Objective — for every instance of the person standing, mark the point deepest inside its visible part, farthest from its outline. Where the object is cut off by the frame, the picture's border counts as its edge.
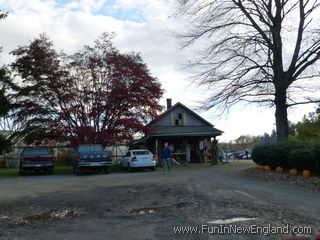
(246, 153)
(166, 158)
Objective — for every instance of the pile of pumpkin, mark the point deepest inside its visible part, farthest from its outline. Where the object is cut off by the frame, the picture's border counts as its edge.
(293, 171)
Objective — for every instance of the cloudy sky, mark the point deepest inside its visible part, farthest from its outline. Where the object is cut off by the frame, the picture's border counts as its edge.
(143, 26)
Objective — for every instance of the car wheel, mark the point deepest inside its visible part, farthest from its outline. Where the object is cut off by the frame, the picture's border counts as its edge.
(153, 169)
(78, 171)
(107, 170)
(50, 171)
(129, 168)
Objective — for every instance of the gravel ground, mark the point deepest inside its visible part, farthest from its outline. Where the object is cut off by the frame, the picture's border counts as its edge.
(148, 205)
(130, 209)
(312, 183)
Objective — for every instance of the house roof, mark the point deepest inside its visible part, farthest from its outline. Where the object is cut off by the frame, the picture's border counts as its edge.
(190, 131)
(178, 104)
(207, 129)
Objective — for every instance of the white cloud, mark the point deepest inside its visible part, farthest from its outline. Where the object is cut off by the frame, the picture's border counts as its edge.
(85, 5)
(80, 22)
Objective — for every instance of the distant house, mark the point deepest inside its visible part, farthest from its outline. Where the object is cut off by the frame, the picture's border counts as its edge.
(187, 133)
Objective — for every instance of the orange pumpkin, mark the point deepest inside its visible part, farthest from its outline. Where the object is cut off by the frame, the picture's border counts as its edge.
(293, 172)
(267, 168)
(279, 169)
(260, 167)
(306, 173)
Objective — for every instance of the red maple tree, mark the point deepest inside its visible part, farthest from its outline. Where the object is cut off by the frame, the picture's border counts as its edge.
(96, 95)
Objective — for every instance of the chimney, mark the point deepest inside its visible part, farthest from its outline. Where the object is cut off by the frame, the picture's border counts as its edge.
(169, 103)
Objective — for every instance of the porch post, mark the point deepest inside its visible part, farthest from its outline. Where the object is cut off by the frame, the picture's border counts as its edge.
(157, 150)
(187, 151)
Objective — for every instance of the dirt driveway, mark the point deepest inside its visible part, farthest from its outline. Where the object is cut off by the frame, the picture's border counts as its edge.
(151, 205)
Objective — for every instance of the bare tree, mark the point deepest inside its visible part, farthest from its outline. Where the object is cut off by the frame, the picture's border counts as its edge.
(3, 15)
(256, 51)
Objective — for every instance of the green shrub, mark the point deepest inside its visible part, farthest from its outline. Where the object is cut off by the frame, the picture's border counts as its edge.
(271, 154)
(316, 156)
(277, 154)
(299, 155)
(258, 154)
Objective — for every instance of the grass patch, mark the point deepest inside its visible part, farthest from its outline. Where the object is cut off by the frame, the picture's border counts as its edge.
(60, 169)
(64, 169)
(14, 172)
(67, 169)
(9, 172)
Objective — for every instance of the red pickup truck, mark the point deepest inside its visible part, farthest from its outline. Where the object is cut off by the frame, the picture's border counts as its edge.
(36, 158)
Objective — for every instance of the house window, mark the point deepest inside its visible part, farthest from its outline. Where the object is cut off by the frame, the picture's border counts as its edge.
(178, 119)
(201, 145)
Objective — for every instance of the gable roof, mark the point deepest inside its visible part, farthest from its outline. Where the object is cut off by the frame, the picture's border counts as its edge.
(178, 104)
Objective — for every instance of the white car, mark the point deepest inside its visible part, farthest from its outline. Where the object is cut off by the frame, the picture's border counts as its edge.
(138, 159)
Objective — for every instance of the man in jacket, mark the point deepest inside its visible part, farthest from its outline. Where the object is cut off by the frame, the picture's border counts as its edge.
(166, 158)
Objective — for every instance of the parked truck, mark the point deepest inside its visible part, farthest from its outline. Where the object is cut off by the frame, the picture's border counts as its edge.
(92, 156)
(36, 158)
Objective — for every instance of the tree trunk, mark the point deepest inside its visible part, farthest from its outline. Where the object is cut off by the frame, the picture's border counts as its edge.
(281, 115)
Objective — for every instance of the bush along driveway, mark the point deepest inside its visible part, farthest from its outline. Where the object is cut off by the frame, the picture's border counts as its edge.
(289, 156)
